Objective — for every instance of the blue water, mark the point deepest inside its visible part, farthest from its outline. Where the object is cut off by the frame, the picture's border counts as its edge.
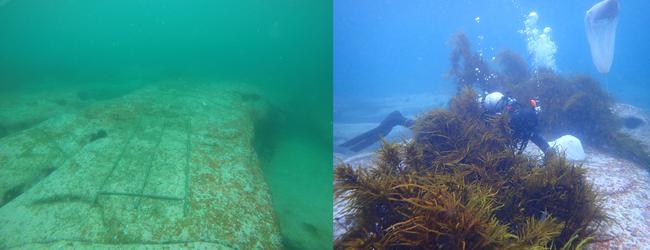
(388, 48)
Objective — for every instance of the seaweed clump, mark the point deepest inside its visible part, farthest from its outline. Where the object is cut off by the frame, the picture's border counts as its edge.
(460, 185)
(575, 105)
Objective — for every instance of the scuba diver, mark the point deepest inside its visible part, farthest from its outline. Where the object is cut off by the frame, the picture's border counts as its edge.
(523, 122)
(523, 119)
(366, 139)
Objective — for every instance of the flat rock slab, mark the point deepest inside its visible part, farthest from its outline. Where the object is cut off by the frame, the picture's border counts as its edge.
(25, 108)
(636, 117)
(158, 168)
(625, 189)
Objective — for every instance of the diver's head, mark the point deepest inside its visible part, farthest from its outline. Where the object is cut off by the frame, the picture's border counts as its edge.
(495, 102)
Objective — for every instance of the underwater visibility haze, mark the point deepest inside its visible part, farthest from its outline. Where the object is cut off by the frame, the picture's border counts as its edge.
(140, 124)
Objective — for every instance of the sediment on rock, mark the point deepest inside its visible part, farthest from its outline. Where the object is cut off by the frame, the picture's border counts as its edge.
(173, 167)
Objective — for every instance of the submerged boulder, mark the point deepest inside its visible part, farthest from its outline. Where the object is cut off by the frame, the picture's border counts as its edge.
(178, 170)
(570, 146)
(636, 122)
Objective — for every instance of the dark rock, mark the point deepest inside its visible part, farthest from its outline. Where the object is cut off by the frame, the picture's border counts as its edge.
(98, 135)
(632, 122)
(11, 194)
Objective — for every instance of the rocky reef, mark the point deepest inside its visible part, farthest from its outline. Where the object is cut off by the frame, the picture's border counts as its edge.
(161, 167)
(574, 104)
(459, 184)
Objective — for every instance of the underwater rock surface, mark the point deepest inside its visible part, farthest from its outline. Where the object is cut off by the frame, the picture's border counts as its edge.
(177, 169)
(636, 122)
(23, 111)
(625, 188)
(570, 146)
(30, 107)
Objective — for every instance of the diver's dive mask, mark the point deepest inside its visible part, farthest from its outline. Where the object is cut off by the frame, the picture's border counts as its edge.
(534, 102)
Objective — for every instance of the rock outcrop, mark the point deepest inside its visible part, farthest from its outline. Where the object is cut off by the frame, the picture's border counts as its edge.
(570, 146)
(159, 167)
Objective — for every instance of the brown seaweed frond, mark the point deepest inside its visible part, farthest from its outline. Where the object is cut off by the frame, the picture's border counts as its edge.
(513, 69)
(367, 195)
(559, 189)
(415, 210)
(414, 157)
(575, 105)
(466, 103)
(538, 233)
(468, 67)
(388, 159)
(458, 185)
(458, 216)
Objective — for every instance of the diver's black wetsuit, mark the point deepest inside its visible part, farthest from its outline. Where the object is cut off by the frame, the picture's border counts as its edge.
(366, 139)
(523, 122)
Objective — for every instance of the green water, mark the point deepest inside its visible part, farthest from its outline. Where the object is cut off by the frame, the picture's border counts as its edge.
(281, 47)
